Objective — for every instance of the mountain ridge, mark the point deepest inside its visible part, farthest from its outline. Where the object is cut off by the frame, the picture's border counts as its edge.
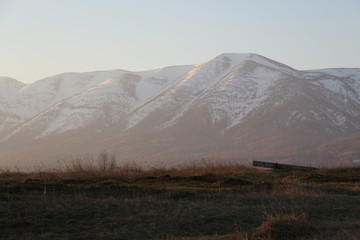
(233, 106)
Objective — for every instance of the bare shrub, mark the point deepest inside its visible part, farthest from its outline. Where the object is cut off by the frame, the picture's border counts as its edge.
(106, 162)
(103, 165)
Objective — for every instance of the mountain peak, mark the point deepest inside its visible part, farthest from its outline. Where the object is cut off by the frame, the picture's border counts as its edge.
(232, 57)
(239, 58)
(8, 84)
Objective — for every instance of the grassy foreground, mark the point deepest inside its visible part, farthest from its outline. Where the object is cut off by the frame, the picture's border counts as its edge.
(192, 203)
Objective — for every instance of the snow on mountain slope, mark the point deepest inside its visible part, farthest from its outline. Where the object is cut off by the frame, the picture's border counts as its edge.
(8, 86)
(342, 81)
(240, 93)
(216, 74)
(183, 93)
(39, 96)
(74, 100)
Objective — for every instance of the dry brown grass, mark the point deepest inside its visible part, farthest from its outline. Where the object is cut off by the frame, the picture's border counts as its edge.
(207, 167)
(98, 198)
(106, 165)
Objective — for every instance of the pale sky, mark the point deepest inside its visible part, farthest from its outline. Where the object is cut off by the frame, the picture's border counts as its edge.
(39, 38)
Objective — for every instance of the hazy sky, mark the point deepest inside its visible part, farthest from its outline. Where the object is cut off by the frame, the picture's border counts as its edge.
(39, 38)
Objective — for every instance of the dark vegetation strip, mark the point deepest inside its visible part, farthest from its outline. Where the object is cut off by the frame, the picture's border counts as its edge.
(194, 202)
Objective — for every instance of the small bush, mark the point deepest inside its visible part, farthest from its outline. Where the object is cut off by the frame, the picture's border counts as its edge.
(285, 227)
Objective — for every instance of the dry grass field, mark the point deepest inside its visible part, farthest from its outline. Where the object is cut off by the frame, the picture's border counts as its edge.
(100, 200)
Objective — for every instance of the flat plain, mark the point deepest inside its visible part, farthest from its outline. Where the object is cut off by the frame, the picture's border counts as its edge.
(209, 201)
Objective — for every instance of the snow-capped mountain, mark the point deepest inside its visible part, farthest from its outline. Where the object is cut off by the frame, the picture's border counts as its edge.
(234, 106)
